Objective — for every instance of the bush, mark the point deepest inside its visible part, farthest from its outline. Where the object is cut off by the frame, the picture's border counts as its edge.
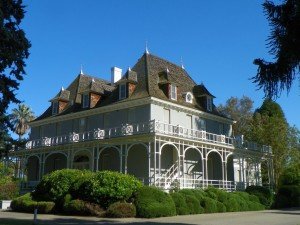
(209, 205)
(9, 188)
(26, 204)
(56, 185)
(82, 208)
(107, 187)
(265, 195)
(152, 202)
(193, 204)
(290, 176)
(121, 210)
(232, 204)
(217, 194)
(221, 207)
(180, 203)
(288, 196)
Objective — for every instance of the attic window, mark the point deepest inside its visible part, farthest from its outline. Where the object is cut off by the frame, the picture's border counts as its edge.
(85, 100)
(189, 97)
(209, 103)
(173, 92)
(54, 108)
(122, 91)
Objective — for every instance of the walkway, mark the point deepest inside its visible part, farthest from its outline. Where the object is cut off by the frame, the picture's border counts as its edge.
(272, 217)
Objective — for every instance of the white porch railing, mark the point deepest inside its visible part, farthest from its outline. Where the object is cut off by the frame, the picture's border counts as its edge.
(152, 126)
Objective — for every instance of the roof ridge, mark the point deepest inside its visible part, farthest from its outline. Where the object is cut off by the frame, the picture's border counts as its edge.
(160, 58)
(147, 72)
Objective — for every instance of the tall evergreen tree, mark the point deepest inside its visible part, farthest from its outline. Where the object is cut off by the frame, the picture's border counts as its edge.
(284, 45)
(269, 127)
(13, 51)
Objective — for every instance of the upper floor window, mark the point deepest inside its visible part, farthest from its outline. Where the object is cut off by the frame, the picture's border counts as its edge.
(209, 103)
(189, 97)
(54, 108)
(85, 101)
(122, 91)
(173, 92)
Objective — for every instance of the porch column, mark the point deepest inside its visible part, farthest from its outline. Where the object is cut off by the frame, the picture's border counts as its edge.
(149, 163)
(121, 158)
(97, 157)
(205, 184)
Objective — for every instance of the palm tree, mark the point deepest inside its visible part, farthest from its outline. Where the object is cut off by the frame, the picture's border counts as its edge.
(20, 117)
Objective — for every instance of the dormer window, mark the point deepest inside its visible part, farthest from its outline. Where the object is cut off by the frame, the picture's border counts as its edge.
(189, 97)
(173, 92)
(209, 103)
(85, 100)
(122, 91)
(54, 108)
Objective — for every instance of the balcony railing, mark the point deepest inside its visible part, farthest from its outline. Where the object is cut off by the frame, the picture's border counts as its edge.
(152, 126)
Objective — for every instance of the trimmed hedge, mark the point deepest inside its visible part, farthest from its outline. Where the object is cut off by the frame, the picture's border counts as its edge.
(265, 195)
(180, 203)
(102, 187)
(121, 210)
(54, 186)
(209, 205)
(26, 204)
(107, 187)
(193, 204)
(80, 207)
(152, 202)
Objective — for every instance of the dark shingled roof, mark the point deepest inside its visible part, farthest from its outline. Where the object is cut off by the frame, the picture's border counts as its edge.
(147, 74)
(62, 95)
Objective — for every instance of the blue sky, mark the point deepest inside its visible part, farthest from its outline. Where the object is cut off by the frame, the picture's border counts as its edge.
(217, 41)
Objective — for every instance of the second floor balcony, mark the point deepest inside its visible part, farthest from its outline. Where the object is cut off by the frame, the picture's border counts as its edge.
(149, 127)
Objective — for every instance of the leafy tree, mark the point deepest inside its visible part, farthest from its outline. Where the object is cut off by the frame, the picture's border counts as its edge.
(284, 45)
(20, 117)
(293, 155)
(269, 127)
(240, 110)
(13, 51)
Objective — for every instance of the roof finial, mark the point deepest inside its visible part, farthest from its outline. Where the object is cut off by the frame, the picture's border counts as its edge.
(129, 69)
(81, 70)
(146, 47)
(168, 71)
(62, 89)
(181, 62)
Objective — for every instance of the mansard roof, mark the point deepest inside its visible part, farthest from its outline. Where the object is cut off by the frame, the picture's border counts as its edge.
(145, 74)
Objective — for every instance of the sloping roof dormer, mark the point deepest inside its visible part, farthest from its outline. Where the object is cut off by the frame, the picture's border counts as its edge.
(60, 101)
(127, 84)
(204, 97)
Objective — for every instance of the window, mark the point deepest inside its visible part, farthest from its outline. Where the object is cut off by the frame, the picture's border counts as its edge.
(189, 97)
(209, 104)
(173, 92)
(122, 91)
(85, 101)
(54, 108)
(167, 118)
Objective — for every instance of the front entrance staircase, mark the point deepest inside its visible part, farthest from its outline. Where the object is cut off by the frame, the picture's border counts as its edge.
(169, 179)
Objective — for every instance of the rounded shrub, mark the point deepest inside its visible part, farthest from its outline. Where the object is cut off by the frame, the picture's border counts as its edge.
(232, 204)
(180, 203)
(193, 204)
(82, 208)
(221, 207)
(26, 204)
(107, 187)
(217, 194)
(121, 210)
(265, 195)
(152, 202)
(56, 185)
(209, 205)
